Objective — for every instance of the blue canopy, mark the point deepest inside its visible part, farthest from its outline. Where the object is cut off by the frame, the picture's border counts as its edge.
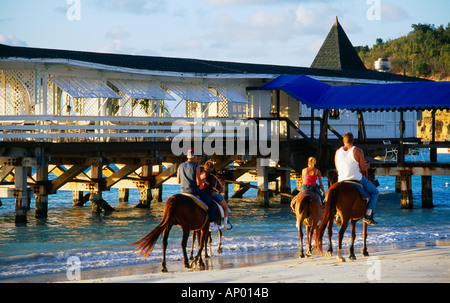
(397, 96)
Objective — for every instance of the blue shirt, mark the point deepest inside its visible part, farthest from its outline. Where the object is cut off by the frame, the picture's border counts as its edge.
(188, 180)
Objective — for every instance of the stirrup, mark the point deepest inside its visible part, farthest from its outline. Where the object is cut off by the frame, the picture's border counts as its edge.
(227, 226)
(369, 220)
(213, 226)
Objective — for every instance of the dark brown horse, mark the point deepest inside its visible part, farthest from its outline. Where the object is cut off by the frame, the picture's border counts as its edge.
(346, 200)
(306, 206)
(182, 211)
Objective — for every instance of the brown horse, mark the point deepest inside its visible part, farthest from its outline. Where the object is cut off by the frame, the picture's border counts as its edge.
(182, 211)
(306, 206)
(346, 200)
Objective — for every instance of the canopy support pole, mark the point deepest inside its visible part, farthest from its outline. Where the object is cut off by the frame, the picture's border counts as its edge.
(433, 151)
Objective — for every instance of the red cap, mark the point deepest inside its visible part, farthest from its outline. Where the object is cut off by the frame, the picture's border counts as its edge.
(190, 153)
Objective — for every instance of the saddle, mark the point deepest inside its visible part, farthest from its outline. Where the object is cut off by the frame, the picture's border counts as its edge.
(202, 204)
(364, 194)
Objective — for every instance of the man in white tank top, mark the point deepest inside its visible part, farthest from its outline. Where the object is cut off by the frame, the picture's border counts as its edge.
(351, 165)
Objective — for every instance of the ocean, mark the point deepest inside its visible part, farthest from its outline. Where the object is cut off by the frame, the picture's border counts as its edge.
(44, 246)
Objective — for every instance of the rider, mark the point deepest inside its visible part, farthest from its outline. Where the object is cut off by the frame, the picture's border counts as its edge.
(351, 165)
(189, 177)
(310, 175)
(209, 169)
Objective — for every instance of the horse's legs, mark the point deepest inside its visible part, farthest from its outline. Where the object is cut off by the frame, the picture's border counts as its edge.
(330, 234)
(365, 252)
(344, 225)
(164, 246)
(352, 251)
(219, 249)
(209, 240)
(184, 240)
(309, 232)
(300, 235)
(191, 257)
(203, 237)
(201, 240)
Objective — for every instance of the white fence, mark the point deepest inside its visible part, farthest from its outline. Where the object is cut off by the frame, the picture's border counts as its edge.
(116, 129)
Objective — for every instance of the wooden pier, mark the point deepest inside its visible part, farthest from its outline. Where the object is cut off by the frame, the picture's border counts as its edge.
(136, 153)
(87, 122)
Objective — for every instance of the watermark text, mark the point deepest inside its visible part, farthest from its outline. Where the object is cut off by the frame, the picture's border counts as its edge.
(73, 13)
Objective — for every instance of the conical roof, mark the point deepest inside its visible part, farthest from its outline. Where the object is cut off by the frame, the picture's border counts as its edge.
(337, 52)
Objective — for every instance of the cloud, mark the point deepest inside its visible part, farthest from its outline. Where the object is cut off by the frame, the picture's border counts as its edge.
(280, 25)
(240, 2)
(117, 33)
(115, 46)
(116, 41)
(393, 12)
(137, 7)
(245, 2)
(11, 40)
(317, 20)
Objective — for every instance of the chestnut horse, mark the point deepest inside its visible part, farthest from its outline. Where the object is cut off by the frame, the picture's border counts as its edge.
(346, 200)
(307, 209)
(182, 211)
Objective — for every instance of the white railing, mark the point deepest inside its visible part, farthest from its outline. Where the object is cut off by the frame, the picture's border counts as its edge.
(107, 128)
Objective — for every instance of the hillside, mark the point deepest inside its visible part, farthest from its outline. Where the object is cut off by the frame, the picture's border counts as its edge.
(424, 52)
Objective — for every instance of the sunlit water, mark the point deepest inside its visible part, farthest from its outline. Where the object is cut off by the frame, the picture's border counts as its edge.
(100, 241)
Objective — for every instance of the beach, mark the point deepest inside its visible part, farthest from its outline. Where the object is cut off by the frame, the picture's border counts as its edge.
(422, 263)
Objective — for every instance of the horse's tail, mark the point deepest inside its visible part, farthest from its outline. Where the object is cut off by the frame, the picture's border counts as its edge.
(305, 205)
(147, 243)
(328, 214)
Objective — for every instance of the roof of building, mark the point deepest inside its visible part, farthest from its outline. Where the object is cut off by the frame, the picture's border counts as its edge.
(393, 96)
(337, 52)
(196, 66)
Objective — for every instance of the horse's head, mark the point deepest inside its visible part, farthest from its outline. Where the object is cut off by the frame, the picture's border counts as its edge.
(209, 184)
(332, 176)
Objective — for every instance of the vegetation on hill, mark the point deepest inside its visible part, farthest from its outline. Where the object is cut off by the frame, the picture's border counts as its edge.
(424, 52)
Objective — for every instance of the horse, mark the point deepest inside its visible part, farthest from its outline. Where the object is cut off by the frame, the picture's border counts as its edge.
(346, 200)
(180, 210)
(307, 208)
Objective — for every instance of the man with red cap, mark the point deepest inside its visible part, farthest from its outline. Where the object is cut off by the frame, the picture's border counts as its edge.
(189, 178)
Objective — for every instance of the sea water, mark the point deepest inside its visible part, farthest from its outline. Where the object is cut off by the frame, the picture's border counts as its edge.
(44, 246)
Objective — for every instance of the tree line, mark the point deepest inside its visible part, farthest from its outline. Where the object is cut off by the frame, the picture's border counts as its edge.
(424, 52)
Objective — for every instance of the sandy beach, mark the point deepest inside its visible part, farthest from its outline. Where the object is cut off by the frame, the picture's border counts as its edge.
(422, 263)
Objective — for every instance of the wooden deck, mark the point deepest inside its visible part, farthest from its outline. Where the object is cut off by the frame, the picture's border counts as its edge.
(95, 154)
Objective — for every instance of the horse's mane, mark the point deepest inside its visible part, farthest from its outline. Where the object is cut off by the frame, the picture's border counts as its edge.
(210, 183)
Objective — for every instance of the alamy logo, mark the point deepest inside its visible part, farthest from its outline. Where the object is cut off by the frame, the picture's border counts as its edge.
(374, 271)
(235, 137)
(73, 272)
(73, 13)
(374, 11)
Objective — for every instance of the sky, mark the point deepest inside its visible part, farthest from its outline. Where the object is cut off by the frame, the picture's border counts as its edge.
(280, 32)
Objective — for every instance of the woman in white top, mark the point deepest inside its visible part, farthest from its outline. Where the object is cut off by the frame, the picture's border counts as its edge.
(351, 165)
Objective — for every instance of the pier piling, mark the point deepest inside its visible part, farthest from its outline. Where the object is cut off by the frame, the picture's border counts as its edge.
(427, 192)
(20, 194)
(262, 182)
(406, 197)
(41, 191)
